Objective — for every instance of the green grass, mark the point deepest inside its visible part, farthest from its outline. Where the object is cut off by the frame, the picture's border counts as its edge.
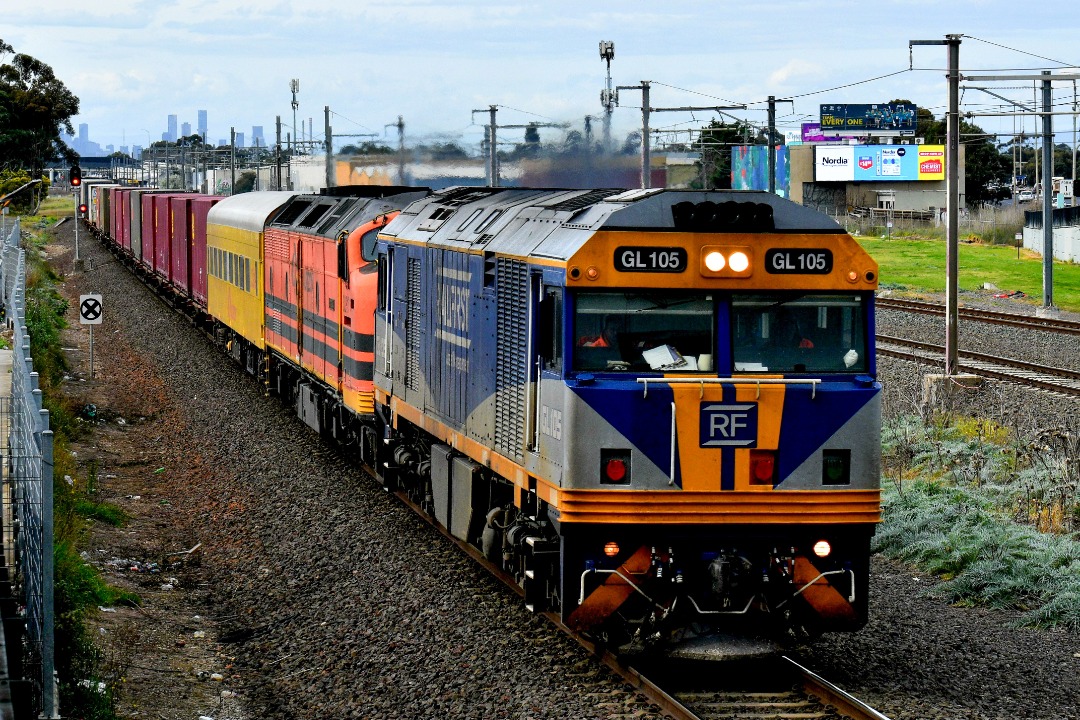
(995, 518)
(55, 206)
(79, 588)
(918, 265)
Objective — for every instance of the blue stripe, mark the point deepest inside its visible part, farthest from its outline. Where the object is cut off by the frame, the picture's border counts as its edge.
(727, 454)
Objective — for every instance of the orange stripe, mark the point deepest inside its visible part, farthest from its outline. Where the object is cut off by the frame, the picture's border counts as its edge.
(664, 507)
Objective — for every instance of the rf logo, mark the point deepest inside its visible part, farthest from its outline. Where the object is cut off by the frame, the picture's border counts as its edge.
(729, 424)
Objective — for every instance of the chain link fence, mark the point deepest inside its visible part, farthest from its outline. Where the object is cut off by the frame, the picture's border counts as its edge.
(28, 495)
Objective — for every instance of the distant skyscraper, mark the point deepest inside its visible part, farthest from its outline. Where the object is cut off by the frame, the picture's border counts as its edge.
(82, 143)
(240, 140)
(171, 135)
(185, 129)
(257, 136)
(202, 124)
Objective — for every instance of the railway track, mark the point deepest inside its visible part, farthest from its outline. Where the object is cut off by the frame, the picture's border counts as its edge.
(1043, 377)
(769, 687)
(1031, 322)
(689, 690)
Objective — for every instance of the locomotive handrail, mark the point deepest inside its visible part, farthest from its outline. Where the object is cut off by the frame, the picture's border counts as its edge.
(813, 382)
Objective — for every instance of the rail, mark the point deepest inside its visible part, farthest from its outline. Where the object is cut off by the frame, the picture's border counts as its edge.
(1052, 379)
(995, 317)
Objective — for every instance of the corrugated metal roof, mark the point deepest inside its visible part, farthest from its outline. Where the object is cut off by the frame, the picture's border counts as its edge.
(248, 211)
(554, 224)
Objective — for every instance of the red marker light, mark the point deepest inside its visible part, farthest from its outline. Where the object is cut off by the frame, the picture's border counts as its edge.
(615, 470)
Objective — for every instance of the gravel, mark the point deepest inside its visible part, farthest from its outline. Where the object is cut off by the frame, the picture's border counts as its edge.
(330, 599)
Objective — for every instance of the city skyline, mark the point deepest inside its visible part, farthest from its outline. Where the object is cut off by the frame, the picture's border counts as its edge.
(133, 62)
(86, 147)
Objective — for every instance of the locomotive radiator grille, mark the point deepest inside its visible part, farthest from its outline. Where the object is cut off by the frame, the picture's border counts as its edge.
(511, 369)
(412, 325)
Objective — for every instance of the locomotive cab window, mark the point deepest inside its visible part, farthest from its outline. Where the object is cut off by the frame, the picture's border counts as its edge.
(663, 331)
(807, 333)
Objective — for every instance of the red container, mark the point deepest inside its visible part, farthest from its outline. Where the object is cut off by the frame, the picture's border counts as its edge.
(200, 208)
(123, 223)
(180, 244)
(146, 256)
(161, 229)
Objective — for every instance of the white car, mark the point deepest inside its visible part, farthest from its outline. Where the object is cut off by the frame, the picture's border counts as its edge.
(1025, 196)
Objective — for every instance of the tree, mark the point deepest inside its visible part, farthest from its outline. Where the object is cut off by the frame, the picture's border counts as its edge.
(34, 106)
(23, 202)
(443, 151)
(367, 148)
(986, 169)
(245, 183)
(715, 142)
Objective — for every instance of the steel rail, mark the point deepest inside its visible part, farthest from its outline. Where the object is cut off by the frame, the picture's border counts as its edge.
(846, 703)
(995, 317)
(1052, 379)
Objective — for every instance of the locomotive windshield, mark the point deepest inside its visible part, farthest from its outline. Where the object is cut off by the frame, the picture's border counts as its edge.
(645, 331)
(801, 333)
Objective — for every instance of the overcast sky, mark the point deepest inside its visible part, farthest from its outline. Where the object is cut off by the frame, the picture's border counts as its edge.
(134, 62)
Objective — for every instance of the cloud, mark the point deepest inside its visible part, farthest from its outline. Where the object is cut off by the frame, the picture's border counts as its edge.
(796, 69)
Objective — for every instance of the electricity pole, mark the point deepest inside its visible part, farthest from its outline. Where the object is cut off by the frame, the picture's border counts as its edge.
(400, 125)
(952, 195)
(646, 159)
(1047, 113)
(772, 142)
(329, 148)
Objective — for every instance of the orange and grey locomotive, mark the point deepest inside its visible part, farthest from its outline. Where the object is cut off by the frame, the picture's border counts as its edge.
(657, 409)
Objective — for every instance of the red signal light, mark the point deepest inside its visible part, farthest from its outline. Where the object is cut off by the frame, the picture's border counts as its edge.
(75, 176)
(82, 209)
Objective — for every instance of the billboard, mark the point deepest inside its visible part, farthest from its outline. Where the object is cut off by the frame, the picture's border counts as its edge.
(878, 163)
(881, 119)
(811, 132)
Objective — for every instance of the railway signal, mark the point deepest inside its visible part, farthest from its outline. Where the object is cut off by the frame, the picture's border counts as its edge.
(75, 176)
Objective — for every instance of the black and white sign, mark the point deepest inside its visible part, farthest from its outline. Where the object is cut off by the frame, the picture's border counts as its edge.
(90, 309)
(650, 259)
(798, 261)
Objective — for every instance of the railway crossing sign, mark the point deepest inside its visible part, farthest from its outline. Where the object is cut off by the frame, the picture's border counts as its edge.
(90, 309)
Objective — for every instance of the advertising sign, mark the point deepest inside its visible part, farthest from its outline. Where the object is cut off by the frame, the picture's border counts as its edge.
(878, 163)
(811, 132)
(880, 119)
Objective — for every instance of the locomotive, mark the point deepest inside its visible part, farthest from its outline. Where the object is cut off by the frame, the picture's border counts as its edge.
(655, 409)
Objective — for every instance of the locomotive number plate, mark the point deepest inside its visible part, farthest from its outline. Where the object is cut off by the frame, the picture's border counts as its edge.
(798, 261)
(651, 259)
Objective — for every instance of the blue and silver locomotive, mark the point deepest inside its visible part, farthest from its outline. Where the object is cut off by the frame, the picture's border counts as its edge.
(657, 409)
